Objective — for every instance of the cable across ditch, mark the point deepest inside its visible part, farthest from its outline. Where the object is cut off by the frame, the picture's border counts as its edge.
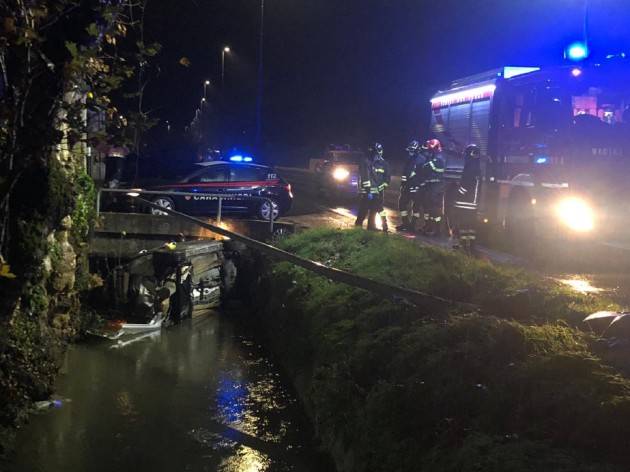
(423, 301)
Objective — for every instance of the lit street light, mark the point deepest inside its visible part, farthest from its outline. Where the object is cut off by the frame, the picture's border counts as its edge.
(224, 51)
(205, 88)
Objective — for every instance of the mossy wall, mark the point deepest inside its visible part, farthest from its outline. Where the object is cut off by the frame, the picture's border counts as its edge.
(40, 308)
(514, 386)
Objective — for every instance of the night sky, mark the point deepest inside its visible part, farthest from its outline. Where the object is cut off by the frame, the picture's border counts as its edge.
(353, 71)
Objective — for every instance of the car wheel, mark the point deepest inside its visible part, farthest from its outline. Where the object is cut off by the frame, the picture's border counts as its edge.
(164, 202)
(268, 208)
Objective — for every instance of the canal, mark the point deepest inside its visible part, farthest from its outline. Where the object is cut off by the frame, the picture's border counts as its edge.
(202, 396)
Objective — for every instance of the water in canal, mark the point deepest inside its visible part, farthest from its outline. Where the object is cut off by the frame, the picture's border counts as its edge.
(201, 396)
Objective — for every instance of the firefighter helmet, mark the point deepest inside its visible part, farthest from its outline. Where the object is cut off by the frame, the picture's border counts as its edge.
(433, 145)
(376, 148)
(472, 151)
(414, 147)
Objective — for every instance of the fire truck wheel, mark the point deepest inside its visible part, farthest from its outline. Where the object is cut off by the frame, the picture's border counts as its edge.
(520, 224)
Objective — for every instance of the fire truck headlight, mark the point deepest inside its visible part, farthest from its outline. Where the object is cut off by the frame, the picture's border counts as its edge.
(576, 214)
(341, 173)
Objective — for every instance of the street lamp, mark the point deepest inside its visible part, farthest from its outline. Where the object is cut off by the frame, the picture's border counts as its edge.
(205, 88)
(224, 51)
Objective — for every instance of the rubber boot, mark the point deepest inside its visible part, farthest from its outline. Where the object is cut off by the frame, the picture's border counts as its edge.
(384, 225)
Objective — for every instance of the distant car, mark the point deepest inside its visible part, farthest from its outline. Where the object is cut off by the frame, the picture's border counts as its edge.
(339, 173)
(238, 182)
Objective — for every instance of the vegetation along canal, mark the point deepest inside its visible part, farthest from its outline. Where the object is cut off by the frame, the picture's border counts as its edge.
(201, 396)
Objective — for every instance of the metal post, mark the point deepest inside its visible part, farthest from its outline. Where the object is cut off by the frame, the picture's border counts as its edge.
(261, 77)
(271, 216)
(98, 202)
(586, 18)
(220, 209)
(223, 68)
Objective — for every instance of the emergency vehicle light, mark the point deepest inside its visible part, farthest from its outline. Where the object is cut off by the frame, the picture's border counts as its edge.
(577, 52)
(239, 158)
(477, 93)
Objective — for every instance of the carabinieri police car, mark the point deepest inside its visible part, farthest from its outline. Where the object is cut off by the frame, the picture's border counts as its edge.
(239, 182)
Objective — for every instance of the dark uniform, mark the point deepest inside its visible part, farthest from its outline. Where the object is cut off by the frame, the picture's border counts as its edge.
(410, 194)
(365, 184)
(374, 179)
(433, 186)
(464, 214)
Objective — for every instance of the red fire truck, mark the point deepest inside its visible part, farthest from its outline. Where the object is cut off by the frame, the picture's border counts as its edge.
(555, 146)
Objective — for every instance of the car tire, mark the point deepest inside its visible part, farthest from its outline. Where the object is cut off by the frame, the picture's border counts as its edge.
(264, 210)
(164, 202)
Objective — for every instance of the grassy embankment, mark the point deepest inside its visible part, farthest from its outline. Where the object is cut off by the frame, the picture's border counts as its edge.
(515, 386)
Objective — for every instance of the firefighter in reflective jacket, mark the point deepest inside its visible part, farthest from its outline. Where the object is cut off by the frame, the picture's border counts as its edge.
(374, 179)
(410, 196)
(466, 202)
(432, 186)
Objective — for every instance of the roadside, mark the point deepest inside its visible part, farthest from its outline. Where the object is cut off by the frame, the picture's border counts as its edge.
(310, 212)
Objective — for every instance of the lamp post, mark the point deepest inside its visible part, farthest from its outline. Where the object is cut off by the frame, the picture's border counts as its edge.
(261, 76)
(205, 88)
(224, 51)
(586, 15)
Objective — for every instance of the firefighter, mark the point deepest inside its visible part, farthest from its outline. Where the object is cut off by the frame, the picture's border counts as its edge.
(374, 179)
(365, 184)
(432, 184)
(410, 188)
(467, 199)
(380, 181)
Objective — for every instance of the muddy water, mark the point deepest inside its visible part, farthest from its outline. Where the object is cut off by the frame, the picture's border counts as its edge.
(197, 397)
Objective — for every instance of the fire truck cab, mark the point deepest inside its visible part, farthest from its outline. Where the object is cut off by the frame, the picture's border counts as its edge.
(555, 146)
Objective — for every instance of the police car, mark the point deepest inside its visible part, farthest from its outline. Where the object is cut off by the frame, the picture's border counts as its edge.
(237, 181)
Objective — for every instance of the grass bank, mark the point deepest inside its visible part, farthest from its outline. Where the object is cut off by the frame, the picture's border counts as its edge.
(515, 386)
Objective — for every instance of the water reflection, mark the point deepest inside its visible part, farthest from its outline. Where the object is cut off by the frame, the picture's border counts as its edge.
(197, 397)
(581, 285)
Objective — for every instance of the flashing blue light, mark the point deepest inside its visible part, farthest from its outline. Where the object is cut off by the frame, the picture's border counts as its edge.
(577, 52)
(247, 159)
(236, 158)
(541, 160)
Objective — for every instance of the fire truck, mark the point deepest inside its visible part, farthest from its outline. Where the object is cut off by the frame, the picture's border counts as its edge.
(555, 146)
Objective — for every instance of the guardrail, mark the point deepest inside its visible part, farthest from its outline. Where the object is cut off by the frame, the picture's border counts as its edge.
(135, 193)
(424, 301)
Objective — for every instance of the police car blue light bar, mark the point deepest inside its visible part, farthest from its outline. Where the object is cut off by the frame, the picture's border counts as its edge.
(239, 158)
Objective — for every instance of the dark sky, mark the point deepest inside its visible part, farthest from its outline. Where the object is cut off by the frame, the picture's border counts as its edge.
(355, 70)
